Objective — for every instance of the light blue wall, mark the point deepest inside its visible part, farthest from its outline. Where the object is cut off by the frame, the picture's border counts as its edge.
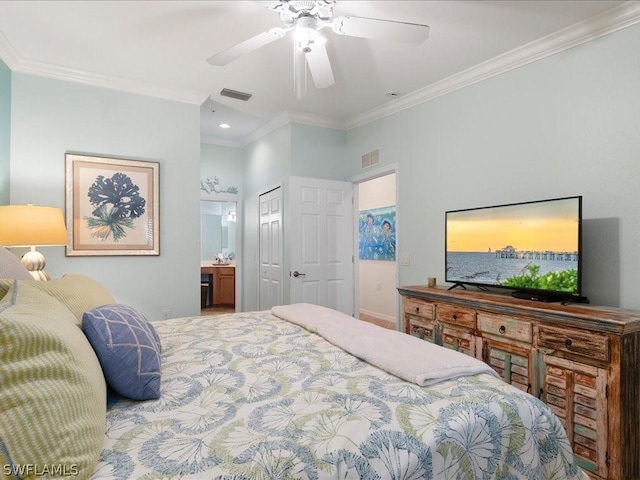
(51, 117)
(318, 152)
(5, 131)
(267, 163)
(291, 150)
(561, 126)
(222, 162)
(565, 125)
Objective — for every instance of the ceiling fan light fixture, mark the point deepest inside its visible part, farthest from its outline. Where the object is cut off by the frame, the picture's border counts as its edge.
(306, 34)
(306, 18)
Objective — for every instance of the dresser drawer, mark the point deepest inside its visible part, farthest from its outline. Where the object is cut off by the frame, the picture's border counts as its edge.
(419, 308)
(422, 330)
(505, 327)
(462, 317)
(459, 339)
(578, 342)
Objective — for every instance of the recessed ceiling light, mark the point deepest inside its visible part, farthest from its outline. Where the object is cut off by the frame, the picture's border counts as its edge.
(224, 125)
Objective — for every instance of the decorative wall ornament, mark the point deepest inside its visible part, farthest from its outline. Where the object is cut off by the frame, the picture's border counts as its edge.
(212, 185)
(112, 206)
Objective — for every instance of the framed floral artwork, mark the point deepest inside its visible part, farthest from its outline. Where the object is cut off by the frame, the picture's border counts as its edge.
(112, 206)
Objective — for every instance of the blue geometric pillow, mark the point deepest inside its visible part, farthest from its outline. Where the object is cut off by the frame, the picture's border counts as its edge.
(128, 349)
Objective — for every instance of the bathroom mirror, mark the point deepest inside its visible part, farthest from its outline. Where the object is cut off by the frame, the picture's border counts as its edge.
(217, 231)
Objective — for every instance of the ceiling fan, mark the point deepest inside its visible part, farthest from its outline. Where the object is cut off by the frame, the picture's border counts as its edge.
(306, 19)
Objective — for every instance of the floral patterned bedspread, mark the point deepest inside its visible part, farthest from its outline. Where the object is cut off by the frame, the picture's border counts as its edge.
(251, 396)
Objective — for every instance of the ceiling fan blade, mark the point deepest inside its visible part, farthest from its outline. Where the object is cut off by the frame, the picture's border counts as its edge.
(248, 46)
(320, 67)
(381, 29)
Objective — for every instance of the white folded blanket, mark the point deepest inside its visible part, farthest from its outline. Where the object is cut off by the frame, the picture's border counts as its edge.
(397, 353)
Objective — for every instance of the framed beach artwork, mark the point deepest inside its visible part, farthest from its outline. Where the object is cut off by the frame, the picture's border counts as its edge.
(377, 234)
(112, 206)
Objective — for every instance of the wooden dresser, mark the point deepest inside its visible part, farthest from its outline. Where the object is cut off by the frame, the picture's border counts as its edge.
(582, 360)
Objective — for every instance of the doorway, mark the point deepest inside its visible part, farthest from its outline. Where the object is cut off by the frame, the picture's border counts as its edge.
(219, 256)
(377, 264)
(310, 259)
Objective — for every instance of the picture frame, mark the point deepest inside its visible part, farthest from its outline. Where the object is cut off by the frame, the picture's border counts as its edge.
(112, 206)
(377, 234)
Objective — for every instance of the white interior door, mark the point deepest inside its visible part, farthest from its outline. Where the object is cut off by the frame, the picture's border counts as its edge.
(321, 243)
(271, 272)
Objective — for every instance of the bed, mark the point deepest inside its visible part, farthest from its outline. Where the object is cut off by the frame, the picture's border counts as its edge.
(263, 395)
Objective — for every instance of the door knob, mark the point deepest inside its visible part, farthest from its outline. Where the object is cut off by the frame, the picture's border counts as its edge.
(298, 274)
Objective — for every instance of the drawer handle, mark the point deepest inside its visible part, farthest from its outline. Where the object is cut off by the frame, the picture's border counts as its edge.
(454, 317)
(502, 329)
(417, 309)
(567, 343)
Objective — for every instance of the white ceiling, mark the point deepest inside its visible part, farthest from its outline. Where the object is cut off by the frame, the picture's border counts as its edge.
(160, 48)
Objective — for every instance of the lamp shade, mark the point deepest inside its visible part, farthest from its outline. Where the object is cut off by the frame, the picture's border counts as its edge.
(30, 225)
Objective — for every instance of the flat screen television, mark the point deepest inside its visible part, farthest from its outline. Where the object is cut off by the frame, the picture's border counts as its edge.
(533, 248)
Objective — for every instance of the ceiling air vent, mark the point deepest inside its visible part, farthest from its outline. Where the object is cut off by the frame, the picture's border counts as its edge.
(226, 92)
(371, 158)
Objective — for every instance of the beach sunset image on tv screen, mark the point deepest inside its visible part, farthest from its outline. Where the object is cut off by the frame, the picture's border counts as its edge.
(529, 245)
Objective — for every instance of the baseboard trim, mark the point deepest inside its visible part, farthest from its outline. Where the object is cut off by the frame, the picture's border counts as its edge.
(378, 316)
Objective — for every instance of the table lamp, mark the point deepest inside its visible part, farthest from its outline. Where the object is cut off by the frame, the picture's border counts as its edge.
(31, 226)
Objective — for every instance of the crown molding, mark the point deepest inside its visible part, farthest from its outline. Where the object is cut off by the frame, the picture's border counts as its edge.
(114, 83)
(8, 54)
(287, 117)
(315, 120)
(15, 63)
(610, 21)
(209, 140)
(273, 124)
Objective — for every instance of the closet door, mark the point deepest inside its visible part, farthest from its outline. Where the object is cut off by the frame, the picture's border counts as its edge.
(270, 282)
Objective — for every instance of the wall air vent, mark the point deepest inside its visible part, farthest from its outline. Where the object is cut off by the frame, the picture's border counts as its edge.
(227, 92)
(371, 158)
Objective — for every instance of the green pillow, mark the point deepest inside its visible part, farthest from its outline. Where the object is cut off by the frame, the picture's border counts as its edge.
(12, 267)
(53, 394)
(5, 285)
(77, 292)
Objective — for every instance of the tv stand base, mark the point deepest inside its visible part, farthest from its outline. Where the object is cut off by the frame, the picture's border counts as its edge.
(549, 297)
